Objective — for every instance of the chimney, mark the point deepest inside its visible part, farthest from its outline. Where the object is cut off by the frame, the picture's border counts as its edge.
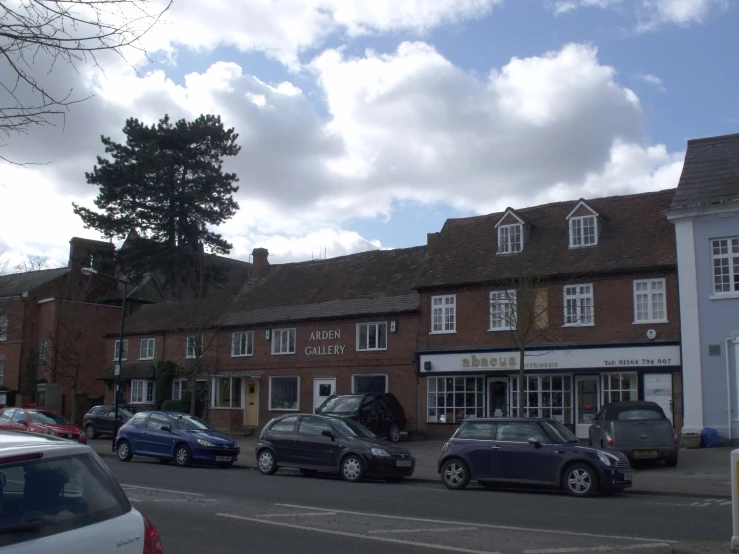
(261, 263)
(432, 241)
(90, 253)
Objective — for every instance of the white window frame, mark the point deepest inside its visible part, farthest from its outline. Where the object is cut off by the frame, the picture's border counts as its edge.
(730, 258)
(277, 338)
(237, 343)
(563, 402)
(43, 350)
(579, 297)
(650, 294)
(445, 308)
(505, 242)
(366, 326)
(434, 396)
(177, 388)
(146, 391)
(124, 355)
(144, 351)
(190, 347)
(578, 223)
(632, 393)
(269, 398)
(499, 299)
(4, 319)
(215, 391)
(354, 384)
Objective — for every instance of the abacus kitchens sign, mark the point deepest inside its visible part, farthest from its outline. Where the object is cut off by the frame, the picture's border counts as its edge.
(325, 349)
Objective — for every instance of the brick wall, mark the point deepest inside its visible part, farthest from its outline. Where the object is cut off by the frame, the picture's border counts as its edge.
(11, 349)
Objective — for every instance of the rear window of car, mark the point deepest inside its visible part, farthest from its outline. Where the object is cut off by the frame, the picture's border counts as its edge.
(641, 414)
(47, 496)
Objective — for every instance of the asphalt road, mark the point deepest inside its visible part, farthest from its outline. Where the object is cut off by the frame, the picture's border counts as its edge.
(238, 510)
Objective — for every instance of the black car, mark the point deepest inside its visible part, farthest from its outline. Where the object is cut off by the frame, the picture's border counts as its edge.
(529, 451)
(99, 420)
(315, 443)
(380, 412)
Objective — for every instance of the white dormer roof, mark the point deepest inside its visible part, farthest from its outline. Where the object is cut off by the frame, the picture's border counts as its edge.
(511, 212)
(580, 204)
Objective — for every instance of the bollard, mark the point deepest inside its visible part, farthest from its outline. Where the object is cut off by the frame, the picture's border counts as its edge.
(735, 499)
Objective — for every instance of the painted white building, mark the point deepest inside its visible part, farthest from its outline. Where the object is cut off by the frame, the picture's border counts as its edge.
(705, 212)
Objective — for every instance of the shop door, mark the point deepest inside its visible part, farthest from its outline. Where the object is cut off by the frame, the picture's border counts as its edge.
(322, 389)
(497, 399)
(251, 410)
(587, 400)
(658, 388)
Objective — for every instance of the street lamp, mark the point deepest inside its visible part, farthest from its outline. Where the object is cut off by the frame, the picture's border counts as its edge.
(119, 367)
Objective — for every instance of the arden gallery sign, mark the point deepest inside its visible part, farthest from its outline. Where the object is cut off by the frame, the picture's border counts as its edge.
(325, 349)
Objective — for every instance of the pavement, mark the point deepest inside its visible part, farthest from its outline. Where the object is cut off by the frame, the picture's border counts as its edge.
(701, 472)
(223, 511)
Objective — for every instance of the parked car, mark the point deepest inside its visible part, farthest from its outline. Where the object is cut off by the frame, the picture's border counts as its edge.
(315, 443)
(638, 429)
(380, 412)
(174, 436)
(529, 451)
(58, 496)
(45, 422)
(99, 420)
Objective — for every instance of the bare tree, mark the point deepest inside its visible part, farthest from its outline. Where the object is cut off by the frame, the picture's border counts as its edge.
(33, 262)
(62, 31)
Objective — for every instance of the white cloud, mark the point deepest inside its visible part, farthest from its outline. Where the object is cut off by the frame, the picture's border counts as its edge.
(652, 80)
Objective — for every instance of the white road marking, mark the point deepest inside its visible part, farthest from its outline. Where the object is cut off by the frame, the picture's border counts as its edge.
(357, 535)
(436, 529)
(160, 490)
(594, 548)
(294, 514)
(476, 524)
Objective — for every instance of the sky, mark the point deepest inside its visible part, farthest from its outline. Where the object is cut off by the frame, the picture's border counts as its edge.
(366, 125)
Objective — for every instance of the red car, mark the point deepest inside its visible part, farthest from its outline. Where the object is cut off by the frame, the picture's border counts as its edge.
(44, 422)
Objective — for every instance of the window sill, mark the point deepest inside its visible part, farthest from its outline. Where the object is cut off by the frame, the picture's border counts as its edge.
(284, 409)
(282, 353)
(371, 349)
(225, 408)
(501, 329)
(651, 322)
(724, 295)
(442, 332)
(508, 253)
(583, 245)
(579, 325)
(146, 359)
(242, 355)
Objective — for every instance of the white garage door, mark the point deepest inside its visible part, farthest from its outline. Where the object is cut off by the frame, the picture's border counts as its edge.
(658, 388)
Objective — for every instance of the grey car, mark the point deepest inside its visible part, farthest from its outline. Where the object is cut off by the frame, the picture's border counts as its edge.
(638, 429)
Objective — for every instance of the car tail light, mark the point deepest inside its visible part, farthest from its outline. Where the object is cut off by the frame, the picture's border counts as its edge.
(675, 438)
(152, 542)
(609, 440)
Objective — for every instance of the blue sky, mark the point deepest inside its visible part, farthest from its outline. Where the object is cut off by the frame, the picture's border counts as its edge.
(362, 131)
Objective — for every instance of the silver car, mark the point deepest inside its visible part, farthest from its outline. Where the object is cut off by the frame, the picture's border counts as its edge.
(638, 429)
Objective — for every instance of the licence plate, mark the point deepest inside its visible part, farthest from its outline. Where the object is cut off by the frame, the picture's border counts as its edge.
(223, 458)
(403, 463)
(645, 453)
(628, 476)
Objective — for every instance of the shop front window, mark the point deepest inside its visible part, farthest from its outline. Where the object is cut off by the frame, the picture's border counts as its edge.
(619, 386)
(547, 396)
(454, 399)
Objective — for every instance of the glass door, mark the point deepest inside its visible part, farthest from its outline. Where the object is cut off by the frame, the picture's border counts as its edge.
(588, 403)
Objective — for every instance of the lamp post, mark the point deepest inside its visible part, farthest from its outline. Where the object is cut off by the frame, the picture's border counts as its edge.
(119, 367)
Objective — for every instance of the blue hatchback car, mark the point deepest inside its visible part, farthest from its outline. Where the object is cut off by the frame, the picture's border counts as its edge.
(175, 436)
(529, 451)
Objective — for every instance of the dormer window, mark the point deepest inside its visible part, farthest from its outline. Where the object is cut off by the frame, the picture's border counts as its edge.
(583, 223)
(510, 238)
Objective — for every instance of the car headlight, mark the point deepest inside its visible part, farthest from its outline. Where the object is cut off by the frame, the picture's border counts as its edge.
(205, 442)
(380, 453)
(607, 459)
(50, 433)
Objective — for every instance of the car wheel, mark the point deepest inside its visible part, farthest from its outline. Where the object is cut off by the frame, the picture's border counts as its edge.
(164, 460)
(352, 468)
(454, 474)
(90, 432)
(182, 456)
(266, 462)
(308, 472)
(124, 451)
(393, 434)
(671, 461)
(580, 480)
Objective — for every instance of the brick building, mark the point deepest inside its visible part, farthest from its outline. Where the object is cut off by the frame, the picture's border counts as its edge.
(588, 287)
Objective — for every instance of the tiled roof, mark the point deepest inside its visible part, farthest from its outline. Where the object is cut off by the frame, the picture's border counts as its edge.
(710, 172)
(142, 370)
(16, 284)
(374, 282)
(635, 235)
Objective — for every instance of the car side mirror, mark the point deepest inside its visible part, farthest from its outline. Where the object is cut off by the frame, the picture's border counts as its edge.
(166, 428)
(327, 433)
(533, 441)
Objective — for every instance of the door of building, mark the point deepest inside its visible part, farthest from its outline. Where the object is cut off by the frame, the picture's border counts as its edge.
(498, 398)
(658, 388)
(587, 403)
(322, 389)
(251, 398)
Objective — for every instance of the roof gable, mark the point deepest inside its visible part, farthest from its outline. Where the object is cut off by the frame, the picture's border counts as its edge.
(581, 209)
(510, 217)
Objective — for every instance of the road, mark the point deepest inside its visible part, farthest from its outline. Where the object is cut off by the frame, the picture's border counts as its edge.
(238, 510)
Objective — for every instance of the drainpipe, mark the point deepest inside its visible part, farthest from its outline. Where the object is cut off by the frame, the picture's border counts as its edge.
(727, 343)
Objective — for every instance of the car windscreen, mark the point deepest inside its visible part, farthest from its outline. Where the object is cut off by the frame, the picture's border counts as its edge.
(341, 404)
(47, 418)
(559, 433)
(352, 428)
(44, 496)
(640, 414)
(125, 412)
(190, 423)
